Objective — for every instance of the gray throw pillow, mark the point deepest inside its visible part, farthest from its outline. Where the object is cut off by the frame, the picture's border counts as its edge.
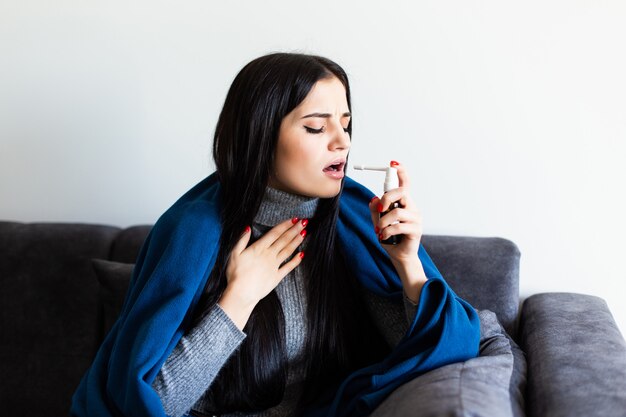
(113, 279)
(490, 385)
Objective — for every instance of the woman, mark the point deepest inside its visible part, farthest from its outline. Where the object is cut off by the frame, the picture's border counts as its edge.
(225, 314)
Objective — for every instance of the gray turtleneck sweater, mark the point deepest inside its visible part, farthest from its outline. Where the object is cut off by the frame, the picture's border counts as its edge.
(194, 363)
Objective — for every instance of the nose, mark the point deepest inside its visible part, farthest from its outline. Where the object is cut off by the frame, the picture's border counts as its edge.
(340, 138)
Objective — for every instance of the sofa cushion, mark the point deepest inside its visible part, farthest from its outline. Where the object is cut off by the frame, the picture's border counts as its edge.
(491, 384)
(128, 242)
(113, 280)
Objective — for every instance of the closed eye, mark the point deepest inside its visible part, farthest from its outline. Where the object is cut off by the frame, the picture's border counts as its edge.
(311, 130)
(320, 130)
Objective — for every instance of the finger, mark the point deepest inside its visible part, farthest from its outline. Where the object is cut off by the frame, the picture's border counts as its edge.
(399, 195)
(291, 265)
(288, 249)
(409, 230)
(285, 239)
(276, 232)
(242, 243)
(399, 215)
(403, 177)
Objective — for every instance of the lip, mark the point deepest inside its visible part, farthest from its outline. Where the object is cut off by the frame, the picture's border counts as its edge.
(339, 174)
(341, 161)
(335, 174)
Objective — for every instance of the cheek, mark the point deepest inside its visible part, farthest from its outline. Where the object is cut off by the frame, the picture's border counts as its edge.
(297, 156)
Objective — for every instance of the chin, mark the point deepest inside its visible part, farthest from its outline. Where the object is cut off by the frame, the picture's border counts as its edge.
(319, 189)
(331, 192)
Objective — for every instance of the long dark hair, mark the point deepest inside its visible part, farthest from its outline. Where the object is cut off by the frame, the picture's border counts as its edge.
(254, 378)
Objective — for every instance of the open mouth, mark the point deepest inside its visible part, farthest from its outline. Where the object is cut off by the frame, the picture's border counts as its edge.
(335, 167)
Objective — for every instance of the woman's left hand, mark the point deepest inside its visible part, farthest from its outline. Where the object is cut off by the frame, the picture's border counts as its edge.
(408, 217)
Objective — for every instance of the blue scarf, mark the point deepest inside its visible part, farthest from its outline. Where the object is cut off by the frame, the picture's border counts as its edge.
(170, 274)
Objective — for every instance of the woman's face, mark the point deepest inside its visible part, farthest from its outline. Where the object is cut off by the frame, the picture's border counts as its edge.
(311, 139)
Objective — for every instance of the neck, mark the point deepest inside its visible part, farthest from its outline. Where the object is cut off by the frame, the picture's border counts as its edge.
(278, 206)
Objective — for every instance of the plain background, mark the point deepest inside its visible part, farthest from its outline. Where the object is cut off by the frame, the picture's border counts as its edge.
(510, 116)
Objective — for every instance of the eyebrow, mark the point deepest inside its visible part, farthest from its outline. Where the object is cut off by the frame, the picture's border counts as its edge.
(326, 115)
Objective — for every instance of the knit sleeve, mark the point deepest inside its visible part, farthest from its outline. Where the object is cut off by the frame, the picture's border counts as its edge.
(196, 360)
(392, 318)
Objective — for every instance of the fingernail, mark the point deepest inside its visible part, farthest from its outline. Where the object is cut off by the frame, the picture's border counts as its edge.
(303, 233)
(373, 198)
(394, 163)
(305, 222)
(247, 229)
(294, 220)
(380, 208)
(301, 255)
(380, 236)
(376, 229)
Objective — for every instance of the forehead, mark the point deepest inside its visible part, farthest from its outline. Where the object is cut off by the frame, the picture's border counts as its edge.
(327, 95)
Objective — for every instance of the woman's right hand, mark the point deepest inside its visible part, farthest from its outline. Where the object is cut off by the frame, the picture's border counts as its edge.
(254, 271)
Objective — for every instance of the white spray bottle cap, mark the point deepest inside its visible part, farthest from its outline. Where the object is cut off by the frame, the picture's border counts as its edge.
(391, 177)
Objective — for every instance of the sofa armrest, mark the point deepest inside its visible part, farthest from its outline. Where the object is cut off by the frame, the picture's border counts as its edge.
(576, 356)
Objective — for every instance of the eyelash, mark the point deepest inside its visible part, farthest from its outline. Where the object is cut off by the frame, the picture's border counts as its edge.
(320, 130)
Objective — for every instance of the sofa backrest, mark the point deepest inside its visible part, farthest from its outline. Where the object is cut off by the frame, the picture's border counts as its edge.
(49, 313)
(482, 270)
(48, 295)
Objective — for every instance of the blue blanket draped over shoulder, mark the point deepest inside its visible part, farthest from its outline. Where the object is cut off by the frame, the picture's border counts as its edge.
(169, 276)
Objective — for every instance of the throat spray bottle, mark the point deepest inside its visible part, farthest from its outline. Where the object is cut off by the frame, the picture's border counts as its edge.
(391, 182)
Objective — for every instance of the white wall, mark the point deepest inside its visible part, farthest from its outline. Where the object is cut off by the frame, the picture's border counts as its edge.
(511, 116)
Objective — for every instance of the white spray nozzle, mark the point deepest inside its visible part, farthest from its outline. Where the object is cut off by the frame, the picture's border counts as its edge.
(369, 168)
(391, 177)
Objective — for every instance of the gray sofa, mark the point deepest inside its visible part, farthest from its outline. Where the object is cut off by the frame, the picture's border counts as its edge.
(55, 313)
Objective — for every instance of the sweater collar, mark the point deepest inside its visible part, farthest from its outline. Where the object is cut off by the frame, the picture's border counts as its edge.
(278, 206)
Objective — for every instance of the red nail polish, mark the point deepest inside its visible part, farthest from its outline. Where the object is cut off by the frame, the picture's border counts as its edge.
(373, 198)
(303, 233)
(301, 255)
(380, 208)
(380, 236)
(247, 229)
(294, 220)
(376, 229)
(394, 163)
(305, 222)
